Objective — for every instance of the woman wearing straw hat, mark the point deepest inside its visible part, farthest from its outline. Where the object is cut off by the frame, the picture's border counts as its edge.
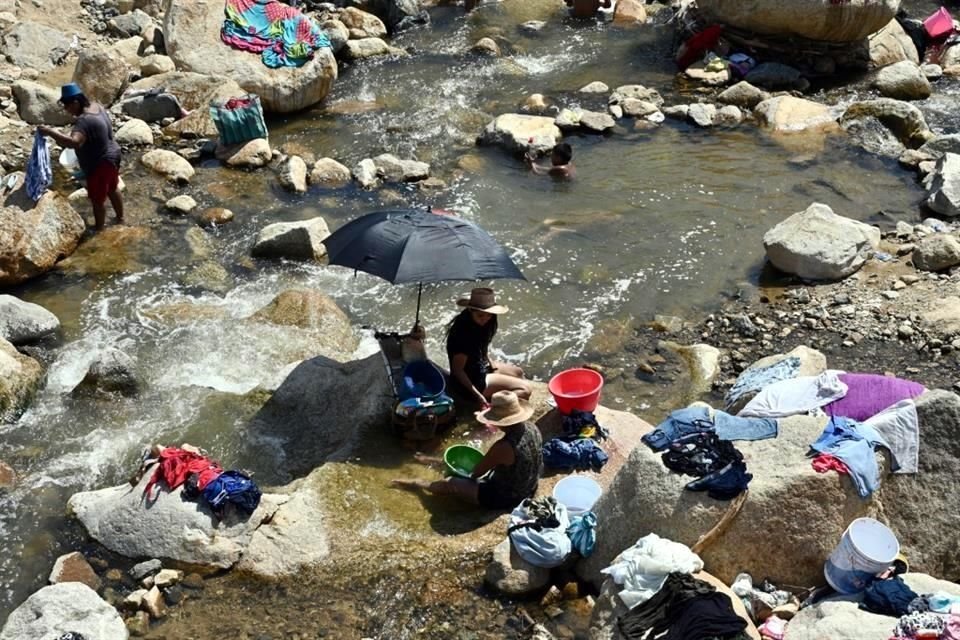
(515, 461)
(468, 343)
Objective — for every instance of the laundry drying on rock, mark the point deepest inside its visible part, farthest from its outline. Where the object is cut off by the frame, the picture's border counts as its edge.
(281, 34)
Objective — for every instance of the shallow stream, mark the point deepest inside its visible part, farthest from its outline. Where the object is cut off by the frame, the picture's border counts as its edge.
(658, 221)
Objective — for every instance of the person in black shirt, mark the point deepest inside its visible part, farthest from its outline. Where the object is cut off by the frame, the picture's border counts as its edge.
(468, 343)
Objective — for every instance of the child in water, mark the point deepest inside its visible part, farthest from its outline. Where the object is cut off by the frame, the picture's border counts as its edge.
(561, 162)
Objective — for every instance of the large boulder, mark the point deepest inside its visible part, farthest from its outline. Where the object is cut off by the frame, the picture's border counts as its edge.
(37, 104)
(891, 45)
(20, 377)
(902, 118)
(936, 252)
(23, 322)
(903, 81)
(325, 409)
(808, 511)
(194, 91)
(167, 525)
(847, 21)
(34, 236)
(841, 618)
(192, 35)
(313, 310)
(35, 46)
(817, 244)
(944, 192)
(301, 240)
(521, 133)
(63, 608)
(102, 74)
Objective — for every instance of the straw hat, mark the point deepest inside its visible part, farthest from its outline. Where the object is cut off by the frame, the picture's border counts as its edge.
(506, 409)
(482, 299)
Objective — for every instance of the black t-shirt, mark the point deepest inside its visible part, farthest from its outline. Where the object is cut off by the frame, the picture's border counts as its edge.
(99, 145)
(468, 338)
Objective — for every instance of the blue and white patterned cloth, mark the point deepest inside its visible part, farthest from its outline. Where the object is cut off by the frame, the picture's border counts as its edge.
(755, 379)
(39, 173)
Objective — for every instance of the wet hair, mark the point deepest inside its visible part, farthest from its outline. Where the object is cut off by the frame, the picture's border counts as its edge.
(490, 329)
(564, 152)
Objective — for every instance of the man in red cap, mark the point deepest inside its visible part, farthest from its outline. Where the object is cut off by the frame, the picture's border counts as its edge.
(97, 151)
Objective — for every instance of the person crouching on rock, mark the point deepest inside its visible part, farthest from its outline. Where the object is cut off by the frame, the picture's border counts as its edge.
(514, 462)
(97, 151)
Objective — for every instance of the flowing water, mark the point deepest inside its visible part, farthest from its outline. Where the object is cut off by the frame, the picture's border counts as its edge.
(658, 220)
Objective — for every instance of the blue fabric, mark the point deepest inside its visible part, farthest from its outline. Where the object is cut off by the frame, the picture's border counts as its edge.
(232, 487)
(853, 443)
(580, 455)
(39, 173)
(582, 533)
(753, 380)
(697, 419)
(724, 484)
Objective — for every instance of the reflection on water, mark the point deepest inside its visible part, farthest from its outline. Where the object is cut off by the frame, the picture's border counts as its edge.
(657, 221)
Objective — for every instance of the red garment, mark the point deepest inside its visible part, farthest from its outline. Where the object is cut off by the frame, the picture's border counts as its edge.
(698, 44)
(102, 182)
(176, 465)
(238, 103)
(826, 462)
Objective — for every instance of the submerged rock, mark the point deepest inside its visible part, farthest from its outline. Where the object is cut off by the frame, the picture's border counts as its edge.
(817, 244)
(369, 48)
(180, 204)
(309, 309)
(301, 240)
(60, 608)
(903, 119)
(23, 322)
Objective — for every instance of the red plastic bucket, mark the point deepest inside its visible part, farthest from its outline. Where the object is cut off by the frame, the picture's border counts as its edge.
(576, 389)
(939, 24)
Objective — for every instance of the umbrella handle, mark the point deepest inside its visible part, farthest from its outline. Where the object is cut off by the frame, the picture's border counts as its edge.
(419, 294)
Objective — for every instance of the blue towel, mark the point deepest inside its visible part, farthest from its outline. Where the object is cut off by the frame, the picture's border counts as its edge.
(583, 454)
(582, 533)
(39, 174)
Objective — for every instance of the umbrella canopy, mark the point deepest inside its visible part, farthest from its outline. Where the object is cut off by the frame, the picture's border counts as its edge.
(418, 245)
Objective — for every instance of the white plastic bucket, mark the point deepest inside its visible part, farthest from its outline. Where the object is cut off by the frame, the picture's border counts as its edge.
(866, 549)
(577, 493)
(68, 159)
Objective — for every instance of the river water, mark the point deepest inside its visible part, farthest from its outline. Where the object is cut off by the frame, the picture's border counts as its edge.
(658, 220)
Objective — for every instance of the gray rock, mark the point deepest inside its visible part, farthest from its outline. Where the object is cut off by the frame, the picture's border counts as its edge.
(568, 119)
(37, 104)
(932, 71)
(134, 132)
(192, 37)
(24, 322)
(393, 169)
(776, 77)
(701, 114)
(936, 252)
(944, 191)
(903, 119)
(251, 154)
(635, 92)
(533, 26)
(903, 81)
(156, 64)
(146, 568)
(511, 575)
(293, 174)
(35, 46)
(362, 24)
(130, 24)
(338, 34)
(394, 12)
(181, 204)
(369, 48)
(636, 108)
(328, 172)
(598, 122)
(840, 617)
(817, 244)
(942, 319)
(486, 47)
(677, 112)
(168, 164)
(112, 372)
(57, 609)
(522, 133)
(947, 143)
(729, 115)
(595, 87)
(152, 108)
(22, 376)
(102, 74)
(301, 240)
(743, 94)
(365, 173)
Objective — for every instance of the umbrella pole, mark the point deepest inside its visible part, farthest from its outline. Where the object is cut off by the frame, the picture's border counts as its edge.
(419, 293)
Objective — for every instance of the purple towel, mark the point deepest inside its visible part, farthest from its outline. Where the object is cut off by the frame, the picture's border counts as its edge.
(868, 394)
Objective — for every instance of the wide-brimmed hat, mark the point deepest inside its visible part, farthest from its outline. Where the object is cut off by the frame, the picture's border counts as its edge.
(505, 409)
(482, 299)
(70, 91)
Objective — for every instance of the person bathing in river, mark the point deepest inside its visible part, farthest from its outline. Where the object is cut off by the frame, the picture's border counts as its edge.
(514, 461)
(561, 162)
(472, 373)
(586, 8)
(97, 151)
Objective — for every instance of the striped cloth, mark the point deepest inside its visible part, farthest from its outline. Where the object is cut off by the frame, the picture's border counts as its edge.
(39, 173)
(282, 35)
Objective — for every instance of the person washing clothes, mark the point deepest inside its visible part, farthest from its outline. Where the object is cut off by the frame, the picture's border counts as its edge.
(561, 162)
(586, 8)
(514, 461)
(97, 151)
(472, 372)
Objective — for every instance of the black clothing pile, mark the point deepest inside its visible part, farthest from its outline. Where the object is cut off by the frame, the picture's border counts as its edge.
(717, 463)
(686, 609)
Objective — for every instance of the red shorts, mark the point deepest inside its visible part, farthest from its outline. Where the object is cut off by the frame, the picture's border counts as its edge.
(102, 182)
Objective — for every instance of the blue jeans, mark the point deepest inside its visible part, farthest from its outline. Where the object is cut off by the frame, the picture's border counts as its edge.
(695, 419)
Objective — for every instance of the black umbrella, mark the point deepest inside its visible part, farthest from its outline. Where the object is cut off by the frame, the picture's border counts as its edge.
(418, 245)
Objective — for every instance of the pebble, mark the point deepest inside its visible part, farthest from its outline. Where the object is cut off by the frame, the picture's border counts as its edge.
(905, 331)
(890, 295)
